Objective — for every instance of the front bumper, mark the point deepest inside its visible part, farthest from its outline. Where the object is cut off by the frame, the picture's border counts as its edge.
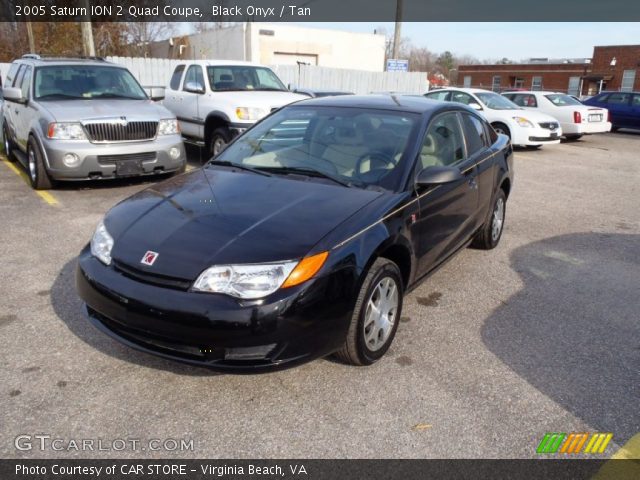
(97, 160)
(289, 327)
(534, 136)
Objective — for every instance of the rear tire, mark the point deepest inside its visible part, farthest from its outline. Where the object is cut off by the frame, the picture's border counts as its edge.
(8, 144)
(501, 128)
(38, 175)
(491, 231)
(219, 139)
(573, 137)
(376, 315)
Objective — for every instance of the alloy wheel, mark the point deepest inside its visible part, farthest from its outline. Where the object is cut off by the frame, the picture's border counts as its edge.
(380, 315)
(32, 164)
(218, 145)
(498, 219)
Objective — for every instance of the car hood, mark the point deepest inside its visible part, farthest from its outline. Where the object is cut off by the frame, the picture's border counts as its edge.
(530, 115)
(81, 110)
(266, 100)
(218, 216)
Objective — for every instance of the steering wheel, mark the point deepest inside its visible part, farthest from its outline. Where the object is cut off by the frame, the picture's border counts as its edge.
(379, 161)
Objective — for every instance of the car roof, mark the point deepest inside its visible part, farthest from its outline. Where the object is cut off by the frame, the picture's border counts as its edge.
(52, 61)
(462, 89)
(400, 103)
(225, 63)
(615, 91)
(536, 92)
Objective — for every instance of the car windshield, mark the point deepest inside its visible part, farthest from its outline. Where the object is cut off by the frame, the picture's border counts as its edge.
(496, 102)
(86, 82)
(243, 77)
(350, 146)
(562, 100)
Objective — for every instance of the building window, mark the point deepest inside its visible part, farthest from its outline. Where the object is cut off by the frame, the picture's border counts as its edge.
(467, 81)
(496, 83)
(628, 79)
(536, 83)
(574, 86)
(518, 82)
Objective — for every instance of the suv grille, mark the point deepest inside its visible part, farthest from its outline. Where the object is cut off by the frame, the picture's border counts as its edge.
(549, 125)
(138, 157)
(117, 132)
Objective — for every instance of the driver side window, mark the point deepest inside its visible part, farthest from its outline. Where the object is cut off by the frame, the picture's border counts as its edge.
(194, 75)
(443, 143)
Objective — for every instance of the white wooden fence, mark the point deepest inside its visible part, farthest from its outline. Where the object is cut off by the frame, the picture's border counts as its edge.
(157, 72)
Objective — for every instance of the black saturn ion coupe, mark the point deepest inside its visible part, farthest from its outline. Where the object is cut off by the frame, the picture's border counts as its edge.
(301, 237)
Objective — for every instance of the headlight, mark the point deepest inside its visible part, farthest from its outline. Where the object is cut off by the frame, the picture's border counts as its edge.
(258, 280)
(101, 244)
(523, 122)
(168, 126)
(250, 113)
(66, 131)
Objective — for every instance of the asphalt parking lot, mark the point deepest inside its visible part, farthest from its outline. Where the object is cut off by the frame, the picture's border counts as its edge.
(494, 350)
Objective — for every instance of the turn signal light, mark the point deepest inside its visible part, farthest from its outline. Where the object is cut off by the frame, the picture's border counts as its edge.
(306, 269)
(577, 118)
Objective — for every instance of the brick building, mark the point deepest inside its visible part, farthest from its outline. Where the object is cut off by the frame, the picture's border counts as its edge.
(614, 67)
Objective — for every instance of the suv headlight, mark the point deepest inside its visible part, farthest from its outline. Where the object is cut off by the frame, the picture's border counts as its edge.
(101, 244)
(250, 113)
(168, 126)
(523, 122)
(254, 281)
(66, 131)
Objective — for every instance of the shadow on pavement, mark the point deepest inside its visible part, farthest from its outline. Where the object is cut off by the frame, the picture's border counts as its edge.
(68, 307)
(573, 331)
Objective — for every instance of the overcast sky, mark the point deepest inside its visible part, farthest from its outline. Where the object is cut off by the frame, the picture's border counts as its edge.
(516, 41)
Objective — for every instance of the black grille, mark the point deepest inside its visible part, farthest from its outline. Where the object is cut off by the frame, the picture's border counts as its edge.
(117, 132)
(138, 157)
(549, 125)
(152, 278)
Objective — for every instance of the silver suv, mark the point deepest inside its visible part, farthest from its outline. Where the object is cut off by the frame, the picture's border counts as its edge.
(85, 119)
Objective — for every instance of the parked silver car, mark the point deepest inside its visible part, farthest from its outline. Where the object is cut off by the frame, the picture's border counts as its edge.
(84, 119)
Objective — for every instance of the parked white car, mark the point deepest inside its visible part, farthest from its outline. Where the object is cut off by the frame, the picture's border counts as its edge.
(576, 118)
(215, 100)
(524, 127)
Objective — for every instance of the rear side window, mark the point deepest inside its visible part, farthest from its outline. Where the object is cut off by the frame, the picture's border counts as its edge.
(474, 133)
(174, 84)
(635, 101)
(618, 98)
(443, 95)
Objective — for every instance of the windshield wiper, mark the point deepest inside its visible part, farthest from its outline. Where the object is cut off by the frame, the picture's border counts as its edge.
(115, 95)
(60, 96)
(311, 172)
(226, 163)
(270, 89)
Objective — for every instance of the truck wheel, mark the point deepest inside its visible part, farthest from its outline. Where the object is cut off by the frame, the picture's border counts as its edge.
(38, 175)
(219, 139)
(376, 315)
(8, 144)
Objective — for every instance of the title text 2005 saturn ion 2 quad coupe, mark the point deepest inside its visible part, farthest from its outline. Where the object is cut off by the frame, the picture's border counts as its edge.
(301, 237)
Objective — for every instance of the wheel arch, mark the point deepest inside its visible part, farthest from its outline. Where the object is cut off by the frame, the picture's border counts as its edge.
(215, 119)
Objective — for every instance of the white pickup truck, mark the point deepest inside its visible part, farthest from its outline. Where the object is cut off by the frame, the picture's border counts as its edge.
(216, 100)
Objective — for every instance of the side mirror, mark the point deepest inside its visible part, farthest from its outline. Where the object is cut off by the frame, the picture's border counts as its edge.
(475, 106)
(12, 94)
(194, 87)
(156, 93)
(437, 176)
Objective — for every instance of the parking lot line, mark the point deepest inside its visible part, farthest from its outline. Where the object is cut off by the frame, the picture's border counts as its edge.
(46, 196)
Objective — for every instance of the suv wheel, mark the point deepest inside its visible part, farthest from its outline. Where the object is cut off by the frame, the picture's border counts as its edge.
(38, 175)
(376, 315)
(8, 144)
(219, 139)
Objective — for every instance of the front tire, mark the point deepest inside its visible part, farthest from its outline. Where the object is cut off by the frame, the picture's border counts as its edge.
(376, 315)
(38, 175)
(501, 128)
(219, 139)
(491, 231)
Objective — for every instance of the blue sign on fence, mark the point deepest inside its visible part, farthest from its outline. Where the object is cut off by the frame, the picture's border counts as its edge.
(395, 65)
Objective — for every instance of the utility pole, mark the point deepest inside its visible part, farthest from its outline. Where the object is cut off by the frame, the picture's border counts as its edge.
(397, 34)
(32, 43)
(88, 48)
